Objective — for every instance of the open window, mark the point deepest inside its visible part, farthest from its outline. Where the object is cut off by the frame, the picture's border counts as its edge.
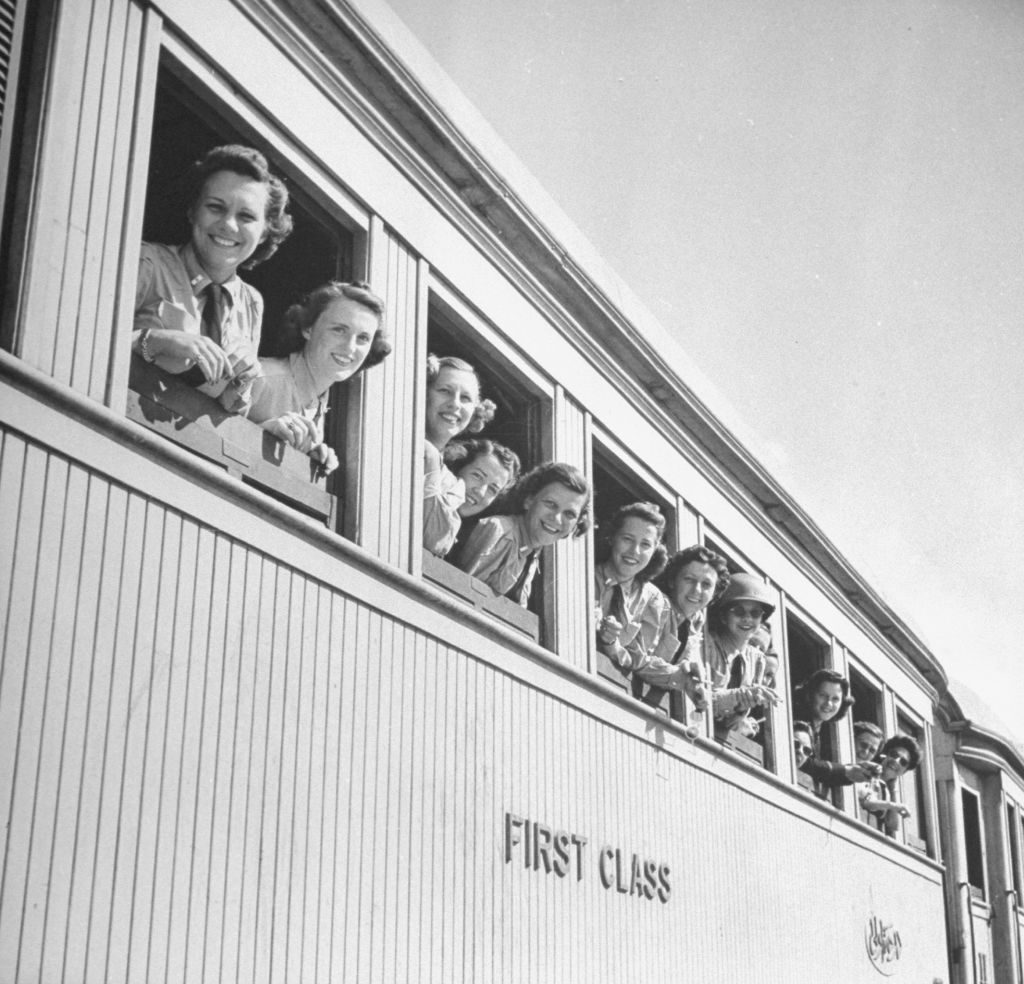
(521, 424)
(759, 745)
(620, 480)
(23, 25)
(188, 119)
(185, 125)
(867, 696)
(1013, 832)
(807, 650)
(912, 786)
(974, 845)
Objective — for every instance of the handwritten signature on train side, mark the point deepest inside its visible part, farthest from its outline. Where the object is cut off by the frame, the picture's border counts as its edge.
(884, 945)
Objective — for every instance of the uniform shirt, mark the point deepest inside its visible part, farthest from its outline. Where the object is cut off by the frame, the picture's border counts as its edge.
(169, 293)
(498, 553)
(729, 669)
(824, 773)
(279, 391)
(670, 660)
(443, 493)
(644, 616)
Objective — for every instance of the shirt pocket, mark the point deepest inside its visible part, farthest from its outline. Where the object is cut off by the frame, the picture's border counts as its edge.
(177, 317)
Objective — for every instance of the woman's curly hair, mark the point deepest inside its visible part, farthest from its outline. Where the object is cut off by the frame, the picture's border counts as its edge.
(484, 411)
(909, 744)
(460, 454)
(249, 163)
(806, 690)
(514, 502)
(303, 315)
(667, 580)
(649, 513)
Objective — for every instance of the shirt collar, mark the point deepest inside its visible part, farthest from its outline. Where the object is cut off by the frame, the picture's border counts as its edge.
(521, 535)
(305, 384)
(610, 581)
(199, 280)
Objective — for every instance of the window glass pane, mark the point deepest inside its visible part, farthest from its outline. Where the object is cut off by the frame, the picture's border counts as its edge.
(973, 842)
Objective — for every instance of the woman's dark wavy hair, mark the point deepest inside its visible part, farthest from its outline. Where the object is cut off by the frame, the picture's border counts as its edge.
(809, 687)
(484, 411)
(303, 315)
(249, 163)
(649, 513)
(867, 727)
(551, 471)
(459, 454)
(667, 579)
(908, 744)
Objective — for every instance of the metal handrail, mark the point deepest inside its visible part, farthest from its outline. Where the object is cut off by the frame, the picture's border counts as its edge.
(970, 923)
(1018, 958)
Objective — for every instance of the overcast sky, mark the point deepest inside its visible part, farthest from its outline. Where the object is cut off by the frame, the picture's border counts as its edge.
(824, 202)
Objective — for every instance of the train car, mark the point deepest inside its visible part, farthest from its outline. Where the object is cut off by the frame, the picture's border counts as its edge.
(980, 776)
(249, 728)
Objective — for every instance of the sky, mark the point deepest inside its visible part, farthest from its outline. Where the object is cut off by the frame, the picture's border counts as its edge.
(823, 202)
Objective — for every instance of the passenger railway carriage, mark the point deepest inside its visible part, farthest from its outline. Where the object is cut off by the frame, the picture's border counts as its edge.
(249, 731)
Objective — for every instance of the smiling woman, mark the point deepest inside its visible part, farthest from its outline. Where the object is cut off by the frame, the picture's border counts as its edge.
(194, 316)
(548, 504)
(334, 333)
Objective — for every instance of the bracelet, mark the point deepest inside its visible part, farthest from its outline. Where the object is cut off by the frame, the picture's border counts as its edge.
(144, 346)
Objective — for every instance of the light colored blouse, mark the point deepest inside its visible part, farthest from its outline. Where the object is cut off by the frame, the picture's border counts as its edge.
(443, 493)
(498, 552)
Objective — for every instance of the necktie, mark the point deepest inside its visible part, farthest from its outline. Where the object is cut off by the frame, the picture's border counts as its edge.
(213, 312)
(618, 607)
(209, 325)
(682, 634)
(517, 591)
(736, 674)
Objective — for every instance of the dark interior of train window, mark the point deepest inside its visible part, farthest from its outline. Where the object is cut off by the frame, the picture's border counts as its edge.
(807, 652)
(616, 485)
(912, 788)
(23, 60)
(867, 699)
(973, 846)
(761, 746)
(1020, 832)
(1013, 833)
(184, 128)
(521, 413)
(516, 421)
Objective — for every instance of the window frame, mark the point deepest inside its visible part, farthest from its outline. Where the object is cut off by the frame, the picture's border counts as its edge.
(496, 346)
(975, 859)
(245, 450)
(603, 445)
(1014, 827)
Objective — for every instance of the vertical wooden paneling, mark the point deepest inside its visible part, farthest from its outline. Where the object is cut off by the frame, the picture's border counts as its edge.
(388, 455)
(216, 768)
(75, 245)
(573, 564)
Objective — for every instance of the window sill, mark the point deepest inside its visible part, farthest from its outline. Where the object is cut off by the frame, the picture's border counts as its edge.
(164, 404)
(479, 595)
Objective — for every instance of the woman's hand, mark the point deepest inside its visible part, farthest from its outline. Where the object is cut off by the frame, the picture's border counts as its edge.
(326, 457)
(178, 351)
(298, 431)
(611, 629)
